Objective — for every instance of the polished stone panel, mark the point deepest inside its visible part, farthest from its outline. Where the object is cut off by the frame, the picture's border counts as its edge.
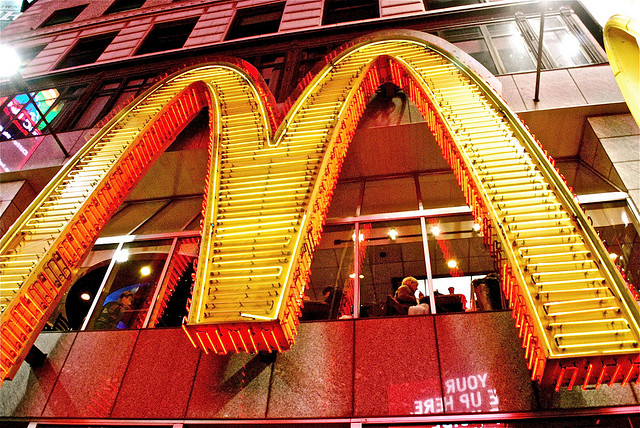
(159, 376)
(396, 367)
(315, 377)
(91, 376)
(482, 363)
(597, 84)
(622, 149)
(604, 396)
(510, 93)
(557, 89)
(27, 394)
(230, 386)
(617, 125)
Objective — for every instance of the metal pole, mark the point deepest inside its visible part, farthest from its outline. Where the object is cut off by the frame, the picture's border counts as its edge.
(543, 4)
(427, 260)
(356, 272)
(22, 86)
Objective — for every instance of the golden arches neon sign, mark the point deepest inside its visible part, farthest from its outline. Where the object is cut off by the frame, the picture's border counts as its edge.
(269, 187)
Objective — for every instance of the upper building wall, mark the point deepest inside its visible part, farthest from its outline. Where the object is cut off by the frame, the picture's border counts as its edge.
(214, 21)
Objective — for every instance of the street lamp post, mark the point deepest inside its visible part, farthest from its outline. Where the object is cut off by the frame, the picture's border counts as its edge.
(10, 69)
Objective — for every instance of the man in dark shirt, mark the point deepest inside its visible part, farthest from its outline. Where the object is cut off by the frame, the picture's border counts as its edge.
(113, 312)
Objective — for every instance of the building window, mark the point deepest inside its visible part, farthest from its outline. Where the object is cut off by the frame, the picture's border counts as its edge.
(442, 4)
(336, 11)
(20, 118)
(271, 67)
(167, 36)
(87, 50)
(111, 94)
(27, 54)
(62, 16)
(123, 5)
(255, 21)
(511, 46)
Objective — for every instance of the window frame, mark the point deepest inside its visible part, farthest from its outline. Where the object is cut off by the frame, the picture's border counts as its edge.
(236, 31)
(159, 32)
(57, 17)
(330, 8)
(67, 62)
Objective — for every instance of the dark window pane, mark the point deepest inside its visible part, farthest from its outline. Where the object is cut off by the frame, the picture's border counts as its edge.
(460, 34)
(168, 35)
(122, 5)
(479, 51)
(61, 16)
(256, 20)
(87, 50)
(441, 4)
(349, 10)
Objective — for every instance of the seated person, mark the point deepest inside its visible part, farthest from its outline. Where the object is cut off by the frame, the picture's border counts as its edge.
(422, 308)
(406, 293)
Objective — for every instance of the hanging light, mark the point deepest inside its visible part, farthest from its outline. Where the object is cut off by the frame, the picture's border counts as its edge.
(85, 296)
(476, 227)
(613, 256)
(435, 230)
(393, 234)
(145, 270)
(353, 237)
(452, 264)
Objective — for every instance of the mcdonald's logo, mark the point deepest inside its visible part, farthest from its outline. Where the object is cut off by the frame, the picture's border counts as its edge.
(268, 188)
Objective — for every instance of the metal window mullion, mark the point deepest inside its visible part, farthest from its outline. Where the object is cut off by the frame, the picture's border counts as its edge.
(567, 17)
(102, 286)
(531, 39)
(492, 49)
(427, 262)
(356, 271)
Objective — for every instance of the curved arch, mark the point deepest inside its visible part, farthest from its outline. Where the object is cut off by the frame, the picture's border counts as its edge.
(268, 194)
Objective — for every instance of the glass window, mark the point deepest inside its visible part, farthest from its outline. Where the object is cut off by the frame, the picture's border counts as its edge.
(123, 5)
(330, 287)
(128, 291)
(76, 302)
(563, 47)
(479, 50)
(336, 11)
(87, 50)
(62, 16)
(254, 21)
(167, 36)
(111, 94)
(511, 48)
(271, 67)
(172, 295)
(20, 118)
(390, 251)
